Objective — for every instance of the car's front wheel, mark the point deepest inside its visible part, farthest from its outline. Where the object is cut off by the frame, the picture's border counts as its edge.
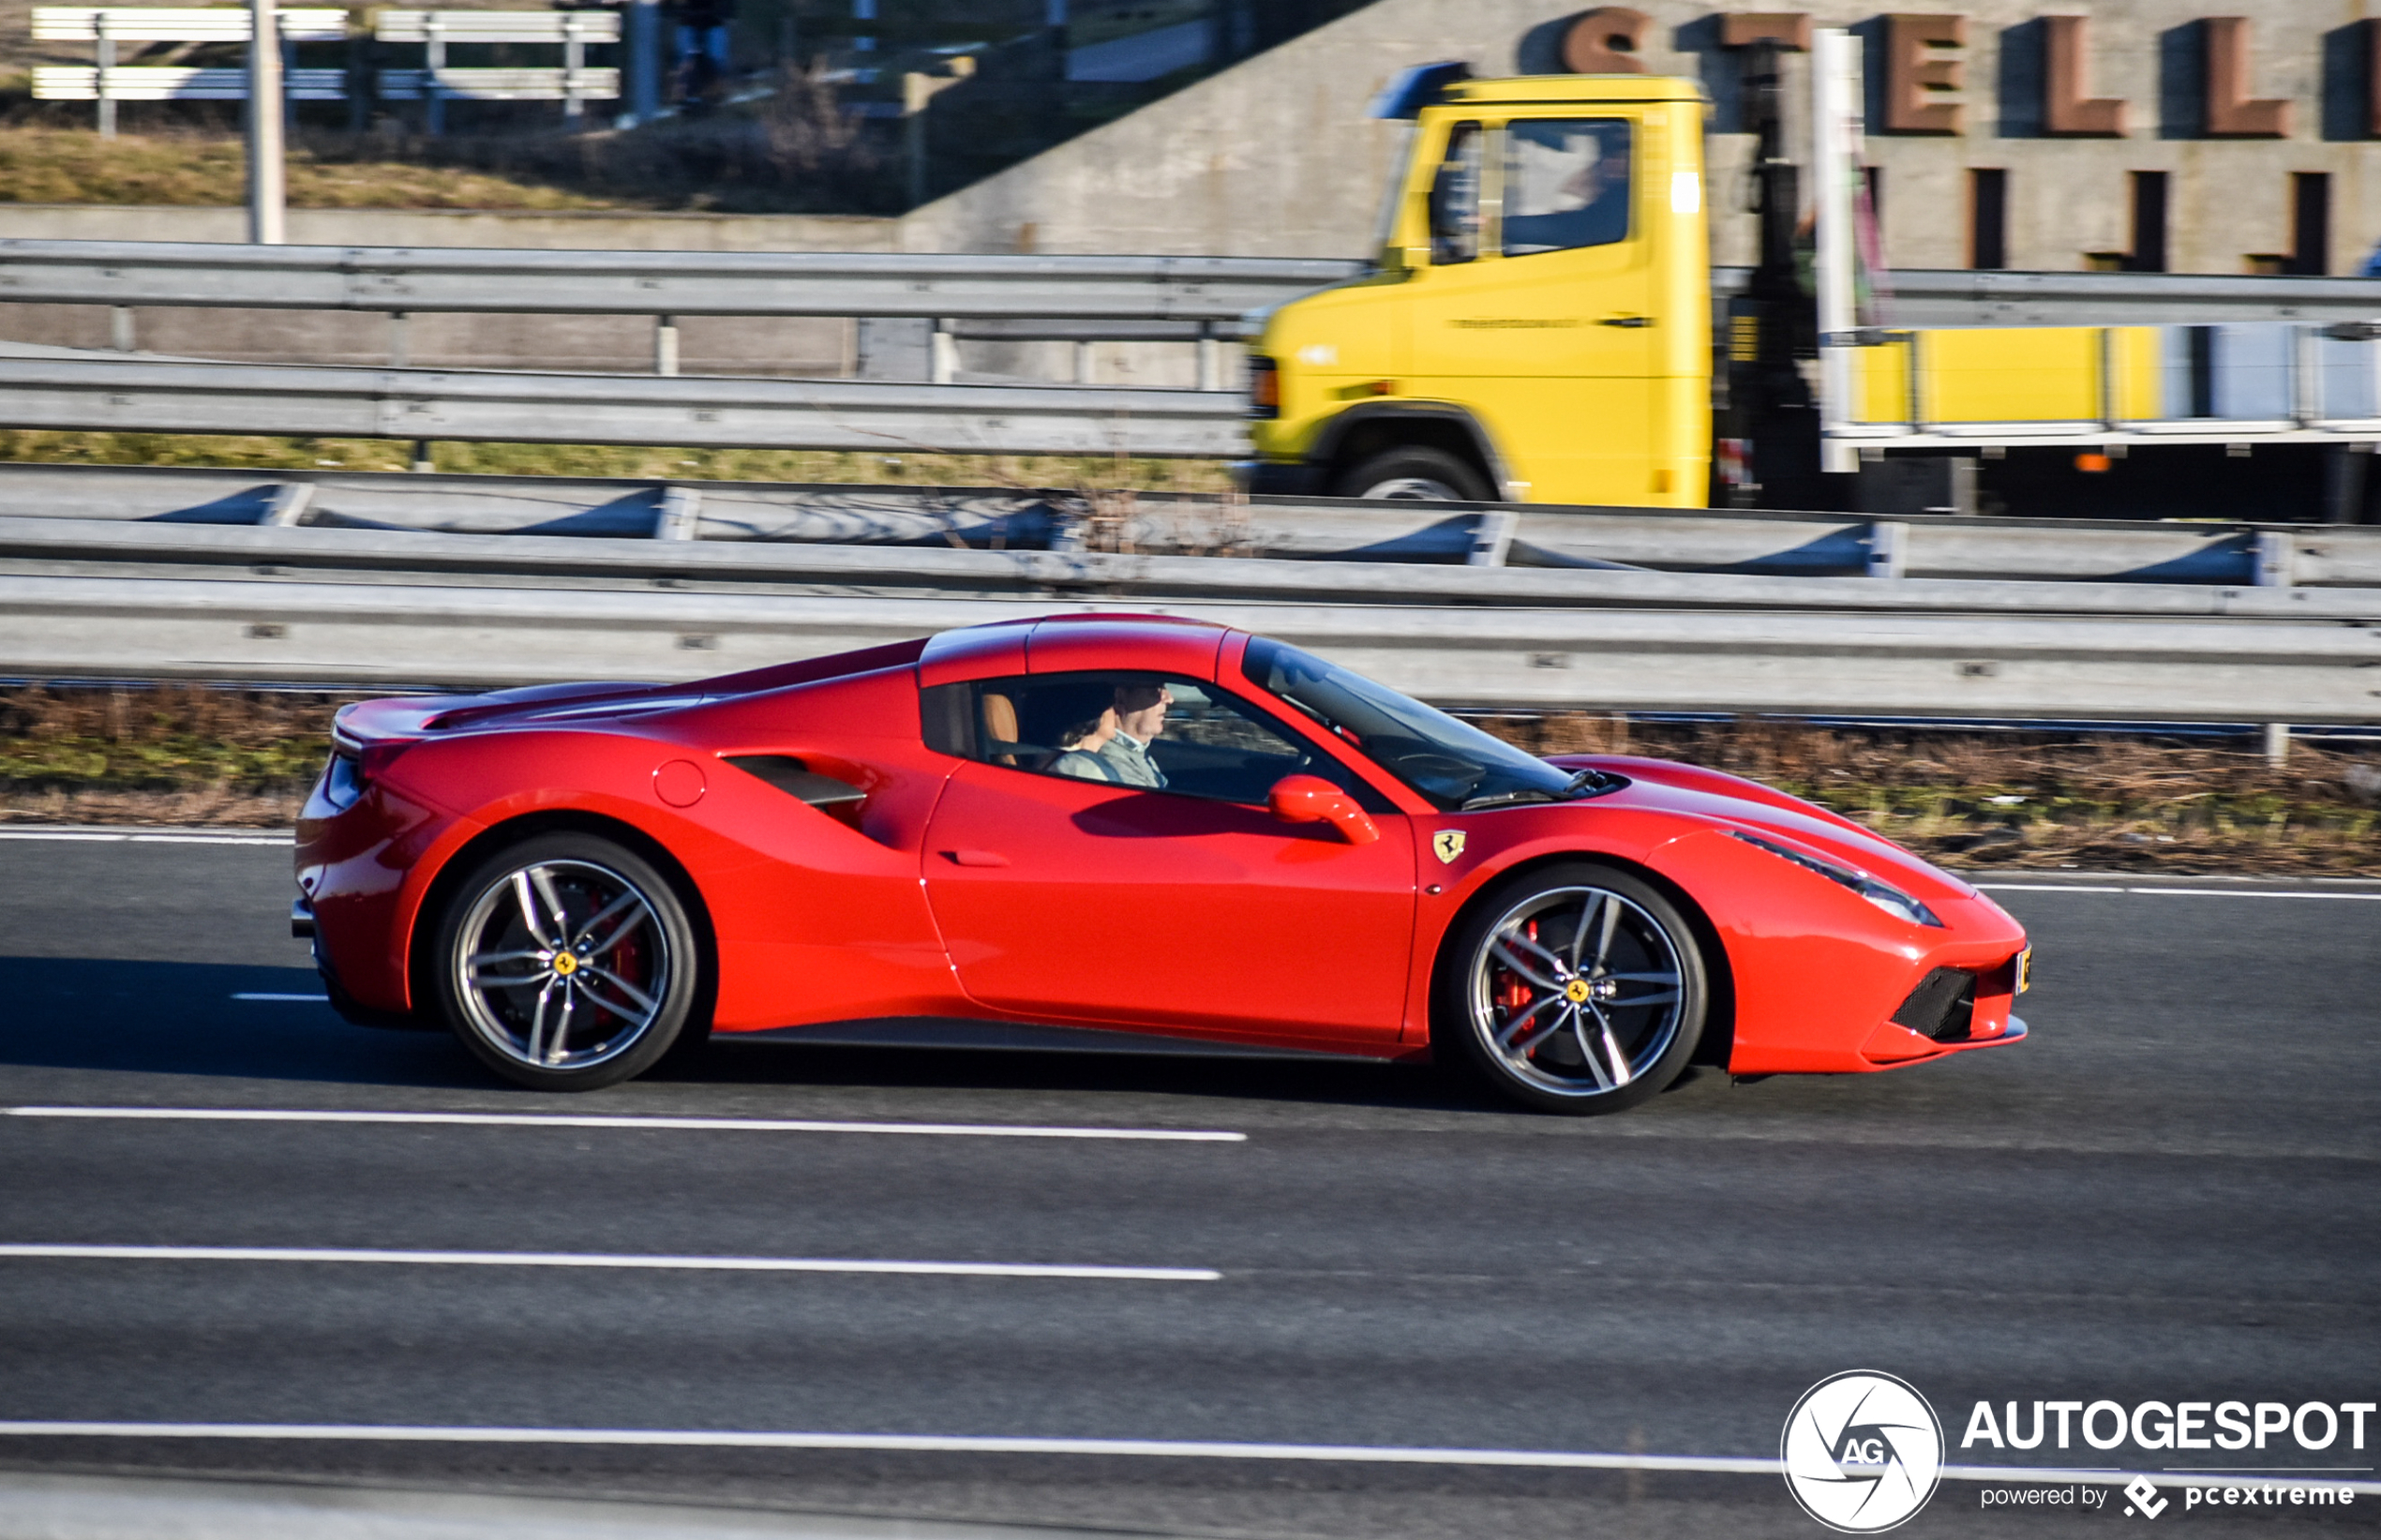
(1573, 988)
(566, 962)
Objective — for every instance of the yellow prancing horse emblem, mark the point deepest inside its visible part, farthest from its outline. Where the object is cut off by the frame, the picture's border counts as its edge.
(1447, 843)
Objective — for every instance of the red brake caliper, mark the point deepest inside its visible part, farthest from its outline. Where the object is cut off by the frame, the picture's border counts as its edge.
(1515, 995)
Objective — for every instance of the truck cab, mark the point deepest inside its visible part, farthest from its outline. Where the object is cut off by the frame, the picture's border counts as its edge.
(1537, 327)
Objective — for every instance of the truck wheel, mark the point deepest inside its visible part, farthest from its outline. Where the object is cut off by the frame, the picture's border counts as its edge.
(1413, 474)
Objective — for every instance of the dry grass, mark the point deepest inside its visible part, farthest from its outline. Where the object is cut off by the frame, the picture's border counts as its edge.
(168, 753)
(818, 466)
(200, 754)
(2034, 799)
(39, 165)
(794, 151)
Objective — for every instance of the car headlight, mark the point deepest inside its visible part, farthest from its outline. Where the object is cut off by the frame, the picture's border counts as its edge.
(1882, 894)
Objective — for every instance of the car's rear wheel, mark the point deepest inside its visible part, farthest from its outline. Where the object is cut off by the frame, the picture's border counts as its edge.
(566, 962)
(1573, 988)
(1414, 474)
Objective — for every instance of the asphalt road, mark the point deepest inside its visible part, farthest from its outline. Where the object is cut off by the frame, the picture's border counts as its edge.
(2167, 1194)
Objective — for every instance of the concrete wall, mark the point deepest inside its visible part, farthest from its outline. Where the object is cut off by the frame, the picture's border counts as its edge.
(1275, 157)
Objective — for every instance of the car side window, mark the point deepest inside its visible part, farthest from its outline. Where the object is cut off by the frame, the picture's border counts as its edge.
(1129, 729)
(1567, 185)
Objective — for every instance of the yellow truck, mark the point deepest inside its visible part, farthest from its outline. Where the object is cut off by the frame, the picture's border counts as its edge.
(1537, 326)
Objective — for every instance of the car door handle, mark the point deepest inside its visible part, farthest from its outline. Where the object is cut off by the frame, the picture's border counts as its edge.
(976, 858)
(1627, 320)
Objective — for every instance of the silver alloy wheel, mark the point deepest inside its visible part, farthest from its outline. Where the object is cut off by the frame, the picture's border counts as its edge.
(563, 964)
(1575, 991)
(1412, 489)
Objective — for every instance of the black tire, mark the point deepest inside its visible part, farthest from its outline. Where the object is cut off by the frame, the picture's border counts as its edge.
(631, 983)
(1540, 994)
(1414, 473)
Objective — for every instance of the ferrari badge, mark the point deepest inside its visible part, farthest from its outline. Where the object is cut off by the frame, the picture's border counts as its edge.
(1448, 844)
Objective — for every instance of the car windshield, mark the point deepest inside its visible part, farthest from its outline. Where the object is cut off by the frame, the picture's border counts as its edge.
(1453, 764)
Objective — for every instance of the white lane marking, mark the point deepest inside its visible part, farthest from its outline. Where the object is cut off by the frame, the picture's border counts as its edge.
(598, 1259)
(250, 994)
(1164, 1448)
(2245, 892)
(2041, 887)
(2183, 893)
(565, 1120)
(109, 836)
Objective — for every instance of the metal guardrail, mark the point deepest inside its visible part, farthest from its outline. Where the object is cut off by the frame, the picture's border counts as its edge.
(84, 599)
(745, 513)
(96, 393)
(989, 287)
(645, 283)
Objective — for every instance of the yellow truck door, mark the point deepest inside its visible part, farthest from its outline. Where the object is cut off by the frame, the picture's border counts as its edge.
(1543, 323)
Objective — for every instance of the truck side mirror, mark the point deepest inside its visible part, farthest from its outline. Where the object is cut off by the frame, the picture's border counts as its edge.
(1312, 800)
(1454, 198)
(1455, 214)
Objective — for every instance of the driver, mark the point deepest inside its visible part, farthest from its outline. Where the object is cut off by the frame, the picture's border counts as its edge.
(1140, 716)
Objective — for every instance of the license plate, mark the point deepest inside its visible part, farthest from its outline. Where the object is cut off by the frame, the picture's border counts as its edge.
(2025, 970)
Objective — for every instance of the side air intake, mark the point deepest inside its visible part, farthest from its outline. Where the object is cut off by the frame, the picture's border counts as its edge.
(1943, 1007)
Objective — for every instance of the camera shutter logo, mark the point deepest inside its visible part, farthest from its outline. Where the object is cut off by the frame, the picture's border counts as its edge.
(1862, 1451)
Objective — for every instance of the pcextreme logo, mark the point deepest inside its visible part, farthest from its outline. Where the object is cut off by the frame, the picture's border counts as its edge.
(1862, 1451)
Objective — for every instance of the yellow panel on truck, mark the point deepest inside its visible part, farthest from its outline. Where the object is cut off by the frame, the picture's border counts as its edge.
(1978, 375)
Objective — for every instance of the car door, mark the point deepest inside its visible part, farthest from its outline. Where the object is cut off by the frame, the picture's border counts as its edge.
(1544, 324)
(1184, 905)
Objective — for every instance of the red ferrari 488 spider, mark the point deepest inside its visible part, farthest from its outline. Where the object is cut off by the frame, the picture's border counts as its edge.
(1132, 824)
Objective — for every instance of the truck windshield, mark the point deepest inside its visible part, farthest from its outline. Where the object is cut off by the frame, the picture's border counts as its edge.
(1453, 764)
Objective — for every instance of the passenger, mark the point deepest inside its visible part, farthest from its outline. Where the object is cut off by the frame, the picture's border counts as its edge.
(1140, 716)
(1080, 747)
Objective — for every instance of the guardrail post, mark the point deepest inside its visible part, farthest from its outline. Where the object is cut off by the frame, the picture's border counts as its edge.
(120, 327)
(1888, 548)
(1211, 357)
(946, 354)
(288, 504)
(2275, 557)
(679, 516)
(422, 461)
(1492, 537)
(1084, 362)
(573, 64)
(665, 344)
(103, 61)
(2277, 744)
(399, 354)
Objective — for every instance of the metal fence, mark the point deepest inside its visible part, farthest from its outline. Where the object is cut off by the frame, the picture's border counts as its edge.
(686, 283)
(1749, 541)
(95, 392)
(89, 599)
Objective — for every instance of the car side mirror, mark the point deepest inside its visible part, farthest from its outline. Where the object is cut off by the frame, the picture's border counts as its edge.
(1312, 800)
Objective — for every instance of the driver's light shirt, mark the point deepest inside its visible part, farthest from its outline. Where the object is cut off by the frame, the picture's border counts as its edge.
(1130, 758)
